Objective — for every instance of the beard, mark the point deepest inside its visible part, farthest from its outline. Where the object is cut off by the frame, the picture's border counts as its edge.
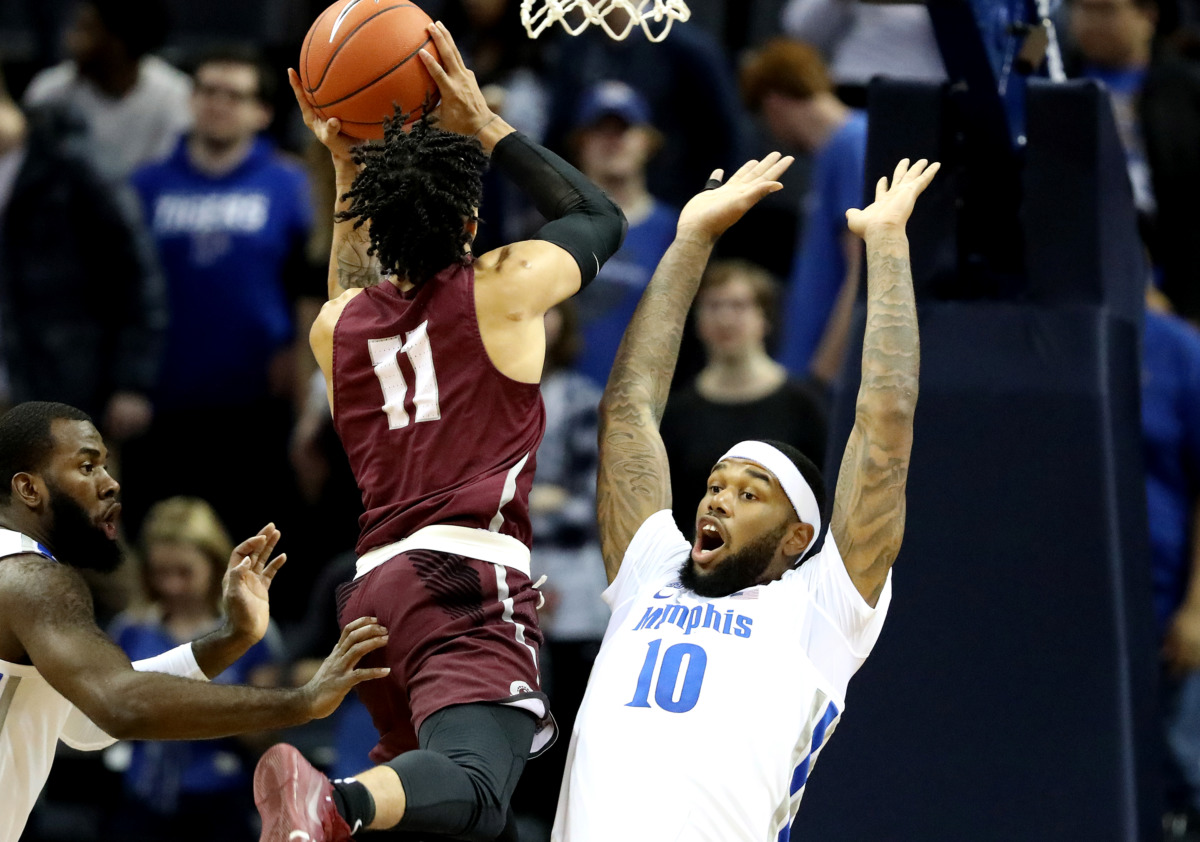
(739, 570)
(76, 540)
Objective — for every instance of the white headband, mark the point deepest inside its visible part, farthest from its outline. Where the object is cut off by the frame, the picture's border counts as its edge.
(790, 479)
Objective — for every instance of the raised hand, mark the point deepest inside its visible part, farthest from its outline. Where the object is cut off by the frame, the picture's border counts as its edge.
(711, 212)
(893, 205)
(337, 674)
(247, 581)
(463, 108)
(329, 132)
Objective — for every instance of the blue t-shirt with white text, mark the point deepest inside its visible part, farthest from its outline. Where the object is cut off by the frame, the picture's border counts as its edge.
(224, 242)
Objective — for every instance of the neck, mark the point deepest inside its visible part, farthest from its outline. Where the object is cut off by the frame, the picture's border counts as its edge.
(1138, 57)
(742, 376)
(115, 78)
(188, 621)
(828, 115)
(218, 157)
(630, 194)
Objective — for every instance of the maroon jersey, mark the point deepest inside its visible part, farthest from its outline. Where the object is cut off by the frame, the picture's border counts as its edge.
(434, 432)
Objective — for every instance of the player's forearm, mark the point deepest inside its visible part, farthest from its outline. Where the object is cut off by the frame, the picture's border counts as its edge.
(152, 706)
(887, 395)
(641, 375)
(350, 264)
(217, 651)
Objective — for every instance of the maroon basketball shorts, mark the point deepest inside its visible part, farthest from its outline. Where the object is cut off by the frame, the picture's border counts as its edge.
(460, 630)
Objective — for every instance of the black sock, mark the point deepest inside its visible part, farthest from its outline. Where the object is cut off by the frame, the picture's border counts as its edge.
(354, 803)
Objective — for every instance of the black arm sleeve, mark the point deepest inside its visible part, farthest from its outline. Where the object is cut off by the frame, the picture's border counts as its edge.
(583, 219)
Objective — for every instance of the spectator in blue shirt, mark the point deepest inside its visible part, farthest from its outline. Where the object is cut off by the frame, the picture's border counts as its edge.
(1171, 447)
(230, 217)
(187, 790)
(613, 142)
(787, 83)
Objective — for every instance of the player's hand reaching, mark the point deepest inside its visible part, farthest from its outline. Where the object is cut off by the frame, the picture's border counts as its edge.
(247, 581)
(463, 108)
(329, 132)
(711, 212)
(893, 205)
(337, 674)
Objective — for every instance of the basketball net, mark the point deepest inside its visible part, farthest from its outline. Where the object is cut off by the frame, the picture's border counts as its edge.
(577, 15)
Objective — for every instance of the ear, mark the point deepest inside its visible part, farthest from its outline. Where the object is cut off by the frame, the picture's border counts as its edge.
(28, 489)
(797, 538)
(472, 226)
(265, 115)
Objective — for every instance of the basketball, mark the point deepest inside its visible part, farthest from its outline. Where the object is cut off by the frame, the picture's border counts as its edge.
(359, 62)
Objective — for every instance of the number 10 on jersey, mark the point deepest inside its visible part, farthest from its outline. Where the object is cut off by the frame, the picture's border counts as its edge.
(668, 694)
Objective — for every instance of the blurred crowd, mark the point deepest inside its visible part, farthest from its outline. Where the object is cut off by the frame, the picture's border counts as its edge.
(165, 223)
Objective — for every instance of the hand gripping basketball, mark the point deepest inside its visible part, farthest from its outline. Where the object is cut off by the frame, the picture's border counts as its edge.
(329, 132)
(463, 108)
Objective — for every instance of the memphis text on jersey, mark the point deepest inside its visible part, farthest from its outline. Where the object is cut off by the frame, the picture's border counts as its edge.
(695, 618)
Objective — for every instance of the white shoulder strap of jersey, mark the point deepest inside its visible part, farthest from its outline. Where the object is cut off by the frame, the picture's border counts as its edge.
(15, 543)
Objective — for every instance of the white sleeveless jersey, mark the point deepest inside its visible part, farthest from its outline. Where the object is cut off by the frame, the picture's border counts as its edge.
(33, 718)
(703, 717)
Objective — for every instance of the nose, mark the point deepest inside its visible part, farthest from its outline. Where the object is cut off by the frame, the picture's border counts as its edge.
(109, 488)
(719, 502)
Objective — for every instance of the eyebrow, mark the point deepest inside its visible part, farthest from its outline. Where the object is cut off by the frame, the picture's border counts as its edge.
(89, 451)
(759, 475)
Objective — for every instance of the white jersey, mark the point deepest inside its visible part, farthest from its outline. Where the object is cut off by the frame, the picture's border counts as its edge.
(703, 717)
(33, 718)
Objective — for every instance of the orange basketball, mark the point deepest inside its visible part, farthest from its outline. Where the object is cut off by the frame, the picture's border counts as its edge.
(359, 62)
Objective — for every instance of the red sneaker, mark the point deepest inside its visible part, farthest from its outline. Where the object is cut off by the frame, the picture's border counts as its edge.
(294, 800)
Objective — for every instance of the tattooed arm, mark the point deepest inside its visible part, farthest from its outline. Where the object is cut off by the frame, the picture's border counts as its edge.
(350, 267)
(869, 504)
(633, 480)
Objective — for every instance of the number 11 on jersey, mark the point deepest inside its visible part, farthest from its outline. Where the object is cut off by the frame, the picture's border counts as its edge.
(385, 356)
(668, 695)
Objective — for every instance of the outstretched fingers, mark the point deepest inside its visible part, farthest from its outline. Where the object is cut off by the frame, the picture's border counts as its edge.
(928, 175)
(778, 168)
(271, 569)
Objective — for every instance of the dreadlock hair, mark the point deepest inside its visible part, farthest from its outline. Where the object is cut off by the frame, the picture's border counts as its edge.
(418, 188)
(25, 438)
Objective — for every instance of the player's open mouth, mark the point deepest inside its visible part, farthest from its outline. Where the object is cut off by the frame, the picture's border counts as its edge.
(109, 522)
(710, 539)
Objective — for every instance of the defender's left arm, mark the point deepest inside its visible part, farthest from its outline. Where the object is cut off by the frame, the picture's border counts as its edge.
(869, 505)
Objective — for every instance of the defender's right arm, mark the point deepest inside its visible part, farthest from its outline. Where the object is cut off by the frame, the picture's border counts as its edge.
(48, 609)
(634, 480)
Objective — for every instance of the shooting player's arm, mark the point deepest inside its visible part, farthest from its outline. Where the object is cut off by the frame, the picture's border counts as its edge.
(350, 266)
(585, 226)
(869, 505)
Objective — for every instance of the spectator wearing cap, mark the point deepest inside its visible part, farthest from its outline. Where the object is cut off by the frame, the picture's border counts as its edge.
(786, 81)
(613, 141)
(133, 105)
(689, 83)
